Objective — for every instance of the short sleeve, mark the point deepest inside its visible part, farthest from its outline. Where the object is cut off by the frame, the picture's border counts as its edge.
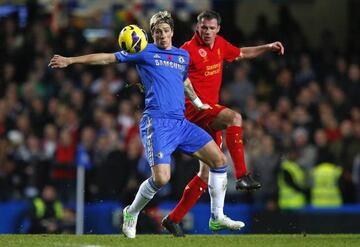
(230, 51)
(187, 58)
(123, 57)
(186, 47)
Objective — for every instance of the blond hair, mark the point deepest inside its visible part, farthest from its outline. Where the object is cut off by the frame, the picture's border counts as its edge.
(161, 17)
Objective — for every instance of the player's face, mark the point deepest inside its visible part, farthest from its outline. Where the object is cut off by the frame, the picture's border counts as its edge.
(162, 35)
(207, 30)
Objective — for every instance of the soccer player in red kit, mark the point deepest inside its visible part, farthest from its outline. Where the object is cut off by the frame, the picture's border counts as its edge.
(208, 50)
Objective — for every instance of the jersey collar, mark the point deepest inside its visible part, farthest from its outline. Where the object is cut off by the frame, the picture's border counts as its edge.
(198, 39)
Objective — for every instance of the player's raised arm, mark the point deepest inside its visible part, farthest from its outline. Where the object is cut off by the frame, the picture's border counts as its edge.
(190, 92)
(58, 61)
(255, 51)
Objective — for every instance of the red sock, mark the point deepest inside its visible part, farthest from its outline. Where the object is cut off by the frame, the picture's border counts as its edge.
(192, 192)
(235, 146)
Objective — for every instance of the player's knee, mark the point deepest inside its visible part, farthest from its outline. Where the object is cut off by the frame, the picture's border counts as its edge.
(220, 161)
(236, 119)
(161, 179)
(223, 160)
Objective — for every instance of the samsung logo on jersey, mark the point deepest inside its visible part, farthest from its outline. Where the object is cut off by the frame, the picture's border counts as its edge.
(169, 64)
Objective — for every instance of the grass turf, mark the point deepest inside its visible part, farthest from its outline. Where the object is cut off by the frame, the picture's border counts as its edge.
(250, 240)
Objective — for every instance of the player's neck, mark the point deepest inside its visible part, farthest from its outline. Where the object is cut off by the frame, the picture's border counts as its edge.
(167, 47)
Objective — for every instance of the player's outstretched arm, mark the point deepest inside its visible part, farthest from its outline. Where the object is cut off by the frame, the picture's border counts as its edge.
(190, 92)
(255, 51)
(58, 61)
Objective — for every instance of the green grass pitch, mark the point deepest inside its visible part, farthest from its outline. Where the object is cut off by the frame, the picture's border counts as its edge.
(250, 240)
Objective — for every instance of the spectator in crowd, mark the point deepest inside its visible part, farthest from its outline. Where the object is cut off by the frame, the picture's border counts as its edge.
(63, 172)
(266, 166)
(46, 213)
(293, 192)
(325, 190)
(31, 156)
(38, 116)
(305, 73)
(306, 152)
(49, 141)
(339, 102)
(241, 88)
(125, 117)
(346, 150)
(12, 179)
(284, 86)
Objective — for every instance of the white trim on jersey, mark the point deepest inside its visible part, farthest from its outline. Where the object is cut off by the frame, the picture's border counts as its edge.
(149, 142)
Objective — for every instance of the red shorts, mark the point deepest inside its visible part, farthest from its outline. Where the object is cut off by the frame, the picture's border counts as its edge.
(205, 118)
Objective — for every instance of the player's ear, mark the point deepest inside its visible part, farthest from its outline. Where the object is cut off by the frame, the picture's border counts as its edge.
(218, 29)
(197, 27)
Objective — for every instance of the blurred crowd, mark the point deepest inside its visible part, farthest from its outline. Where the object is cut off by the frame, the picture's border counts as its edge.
(304, 106)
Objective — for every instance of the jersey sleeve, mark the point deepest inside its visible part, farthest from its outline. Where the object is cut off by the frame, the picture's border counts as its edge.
(187, 60)
(230, 51)
(186, 47)
(123, 57)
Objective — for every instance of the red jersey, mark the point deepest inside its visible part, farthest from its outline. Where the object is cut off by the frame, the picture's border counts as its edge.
(206, 66)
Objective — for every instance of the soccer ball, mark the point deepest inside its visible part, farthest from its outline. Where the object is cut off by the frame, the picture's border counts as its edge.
(132, 39)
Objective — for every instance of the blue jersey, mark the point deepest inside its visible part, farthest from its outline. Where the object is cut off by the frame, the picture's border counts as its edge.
(162, 73)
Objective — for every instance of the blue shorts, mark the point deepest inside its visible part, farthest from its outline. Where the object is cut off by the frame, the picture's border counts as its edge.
(162, 136)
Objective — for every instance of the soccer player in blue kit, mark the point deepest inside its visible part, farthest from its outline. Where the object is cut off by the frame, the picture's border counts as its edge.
(163, 128)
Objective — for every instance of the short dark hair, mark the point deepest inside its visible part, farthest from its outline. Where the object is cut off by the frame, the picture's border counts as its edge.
(161, 17)
(209, 14)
